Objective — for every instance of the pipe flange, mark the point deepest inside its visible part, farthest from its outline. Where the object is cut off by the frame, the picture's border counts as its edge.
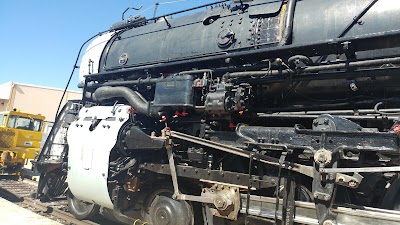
(323, 156)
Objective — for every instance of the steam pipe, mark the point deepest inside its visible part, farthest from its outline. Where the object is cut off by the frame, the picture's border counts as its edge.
(133, 97)
(315, 69)
(289, 22)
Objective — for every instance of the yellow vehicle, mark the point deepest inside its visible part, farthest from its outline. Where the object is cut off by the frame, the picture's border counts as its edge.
(20, 136)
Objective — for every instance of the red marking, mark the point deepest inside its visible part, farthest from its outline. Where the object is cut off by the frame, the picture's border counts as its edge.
(131, 110)
(396, 128)
(180, 114)
(232, 126)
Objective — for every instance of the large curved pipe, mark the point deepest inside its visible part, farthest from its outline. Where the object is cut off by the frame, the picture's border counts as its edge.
(133, 97)
(287, 33)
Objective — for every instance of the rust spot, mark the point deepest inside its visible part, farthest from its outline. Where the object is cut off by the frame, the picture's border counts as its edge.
(282, 21)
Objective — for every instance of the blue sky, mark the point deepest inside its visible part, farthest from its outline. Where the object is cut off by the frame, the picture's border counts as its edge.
(41, 39)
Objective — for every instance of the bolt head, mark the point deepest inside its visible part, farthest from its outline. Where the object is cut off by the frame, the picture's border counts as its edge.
(328, 222)
(352, 183)
(220, 203)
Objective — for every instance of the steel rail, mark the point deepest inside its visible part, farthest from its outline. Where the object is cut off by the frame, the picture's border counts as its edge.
(69, 218)
(306, 213)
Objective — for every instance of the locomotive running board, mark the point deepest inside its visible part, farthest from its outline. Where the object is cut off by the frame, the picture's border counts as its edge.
(305, 212)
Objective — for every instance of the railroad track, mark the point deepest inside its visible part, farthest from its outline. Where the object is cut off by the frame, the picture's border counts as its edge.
(60, 216)
(23, 194)
(16, 190)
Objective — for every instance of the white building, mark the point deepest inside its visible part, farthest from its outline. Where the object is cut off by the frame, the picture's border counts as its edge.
(34, 99)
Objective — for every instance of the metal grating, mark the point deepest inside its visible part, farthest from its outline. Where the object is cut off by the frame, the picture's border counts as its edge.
(6, 138)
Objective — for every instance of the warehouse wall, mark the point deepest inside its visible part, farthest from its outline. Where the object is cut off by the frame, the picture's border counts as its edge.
(37, 100)
(3, 104)
(5, 91)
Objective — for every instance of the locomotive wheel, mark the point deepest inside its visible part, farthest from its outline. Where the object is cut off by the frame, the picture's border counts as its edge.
(392, 197)
(301, 194)
(163, 210)
(396, 203)
(80, 209)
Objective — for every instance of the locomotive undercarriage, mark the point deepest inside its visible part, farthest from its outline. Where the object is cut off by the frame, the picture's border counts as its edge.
(131, 173)
(317, 167)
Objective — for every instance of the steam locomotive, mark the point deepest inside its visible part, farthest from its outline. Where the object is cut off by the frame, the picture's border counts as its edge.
(237, 112)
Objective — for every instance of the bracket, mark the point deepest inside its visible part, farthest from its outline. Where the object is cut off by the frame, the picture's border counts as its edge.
(225, 199)
(168, 24)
